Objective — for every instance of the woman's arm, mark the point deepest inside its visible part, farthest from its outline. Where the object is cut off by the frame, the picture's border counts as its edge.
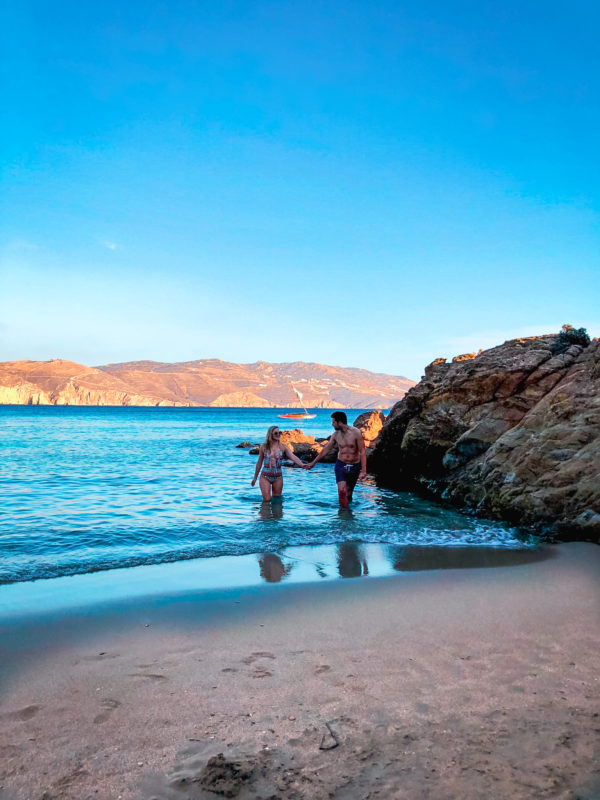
(261, 458)
(289, 453)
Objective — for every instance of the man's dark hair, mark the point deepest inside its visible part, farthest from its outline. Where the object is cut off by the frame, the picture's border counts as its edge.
(340, 416)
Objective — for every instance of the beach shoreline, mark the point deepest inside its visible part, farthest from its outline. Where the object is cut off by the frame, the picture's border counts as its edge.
(431, 684)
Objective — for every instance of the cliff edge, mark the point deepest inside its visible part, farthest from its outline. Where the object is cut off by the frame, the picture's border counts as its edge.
(510, 433)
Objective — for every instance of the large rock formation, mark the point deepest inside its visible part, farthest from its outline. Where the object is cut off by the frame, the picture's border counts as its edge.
(370, 425)
(209, 382)
(510, 433)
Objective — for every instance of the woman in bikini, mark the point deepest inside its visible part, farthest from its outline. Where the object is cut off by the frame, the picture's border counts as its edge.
(270, 456)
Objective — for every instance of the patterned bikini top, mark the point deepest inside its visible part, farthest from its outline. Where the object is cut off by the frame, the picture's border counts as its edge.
(272, 463)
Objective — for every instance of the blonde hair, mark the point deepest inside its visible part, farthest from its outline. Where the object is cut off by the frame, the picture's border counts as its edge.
(269, 439)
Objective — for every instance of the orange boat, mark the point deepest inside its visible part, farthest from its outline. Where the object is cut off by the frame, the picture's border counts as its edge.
(298, 415)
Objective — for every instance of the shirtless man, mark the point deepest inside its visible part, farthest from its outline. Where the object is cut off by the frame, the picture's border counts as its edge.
(352, 460)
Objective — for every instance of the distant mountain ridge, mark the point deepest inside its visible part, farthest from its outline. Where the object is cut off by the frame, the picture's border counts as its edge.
(207, 382)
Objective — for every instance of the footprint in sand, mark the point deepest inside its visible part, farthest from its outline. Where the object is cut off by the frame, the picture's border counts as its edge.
(154, 676)
(255, 656)
(10, 750)
(322, 668)
(22, 714)
(261, 672)
(109, 706)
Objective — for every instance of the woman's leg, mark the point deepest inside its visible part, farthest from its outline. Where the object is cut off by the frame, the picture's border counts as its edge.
(265, 488)
(278, 487)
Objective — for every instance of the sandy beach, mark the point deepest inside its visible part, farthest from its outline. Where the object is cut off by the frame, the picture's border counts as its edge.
(437, 684)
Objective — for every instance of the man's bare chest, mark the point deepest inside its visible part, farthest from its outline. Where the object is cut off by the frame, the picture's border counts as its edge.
(346, 441)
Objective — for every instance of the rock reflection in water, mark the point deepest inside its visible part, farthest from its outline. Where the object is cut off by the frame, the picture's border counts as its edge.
(272, 568)
(413, 559)
(351, 560)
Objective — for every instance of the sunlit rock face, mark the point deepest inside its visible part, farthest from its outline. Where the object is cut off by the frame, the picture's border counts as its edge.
(58, 382)
(511, 433)
(239, 400)
(370, 424)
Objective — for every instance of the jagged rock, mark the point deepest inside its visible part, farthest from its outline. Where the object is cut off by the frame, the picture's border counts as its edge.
(244, 445)
(304, 450)
(513, 433)
(464, 357)
(296, 436)
(370, 424)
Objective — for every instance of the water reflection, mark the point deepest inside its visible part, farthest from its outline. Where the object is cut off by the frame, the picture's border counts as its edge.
(351, 560)
(413, 559)
(354, 559)
(271, 509)
(272, 568)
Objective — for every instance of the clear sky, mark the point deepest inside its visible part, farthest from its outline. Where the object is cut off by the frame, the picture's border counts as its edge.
(369, 184)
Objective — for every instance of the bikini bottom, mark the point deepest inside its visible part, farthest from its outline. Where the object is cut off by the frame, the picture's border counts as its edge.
(272, 476)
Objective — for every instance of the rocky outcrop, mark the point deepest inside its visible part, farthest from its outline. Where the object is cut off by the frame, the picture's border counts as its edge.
(511, 433)
(209, 382)
(296, 436)
(370, 424)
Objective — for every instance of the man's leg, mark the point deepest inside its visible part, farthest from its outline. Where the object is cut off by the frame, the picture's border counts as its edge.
(351, 483)
(342, 488)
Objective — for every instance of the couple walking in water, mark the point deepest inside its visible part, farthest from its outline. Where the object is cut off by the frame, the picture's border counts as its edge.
(351, 462)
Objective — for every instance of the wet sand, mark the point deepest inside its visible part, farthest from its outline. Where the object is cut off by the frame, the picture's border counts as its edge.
(437, 684)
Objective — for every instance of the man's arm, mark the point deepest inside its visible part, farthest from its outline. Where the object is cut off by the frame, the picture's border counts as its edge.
(323, 452)
(360, 443)
(289, 453)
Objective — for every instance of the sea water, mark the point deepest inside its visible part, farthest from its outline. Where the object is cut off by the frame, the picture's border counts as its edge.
(84, 489)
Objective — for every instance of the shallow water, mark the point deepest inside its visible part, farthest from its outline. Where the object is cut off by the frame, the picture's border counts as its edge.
(87, 488)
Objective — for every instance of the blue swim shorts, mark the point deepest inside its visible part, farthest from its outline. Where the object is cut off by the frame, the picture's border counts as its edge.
(347, 472)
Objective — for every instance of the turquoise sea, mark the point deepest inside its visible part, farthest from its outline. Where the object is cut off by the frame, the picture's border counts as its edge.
(86, 489)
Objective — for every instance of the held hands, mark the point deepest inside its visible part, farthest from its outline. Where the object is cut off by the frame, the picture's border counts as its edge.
(308, 466)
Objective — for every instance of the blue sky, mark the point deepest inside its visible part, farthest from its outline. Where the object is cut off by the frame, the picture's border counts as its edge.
(362, 184)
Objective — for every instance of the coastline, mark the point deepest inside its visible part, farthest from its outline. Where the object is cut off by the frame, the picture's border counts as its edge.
(434, 684)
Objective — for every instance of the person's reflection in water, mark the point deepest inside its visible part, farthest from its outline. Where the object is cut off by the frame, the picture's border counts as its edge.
(351, 560)
(271, 509)
(272, 568)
